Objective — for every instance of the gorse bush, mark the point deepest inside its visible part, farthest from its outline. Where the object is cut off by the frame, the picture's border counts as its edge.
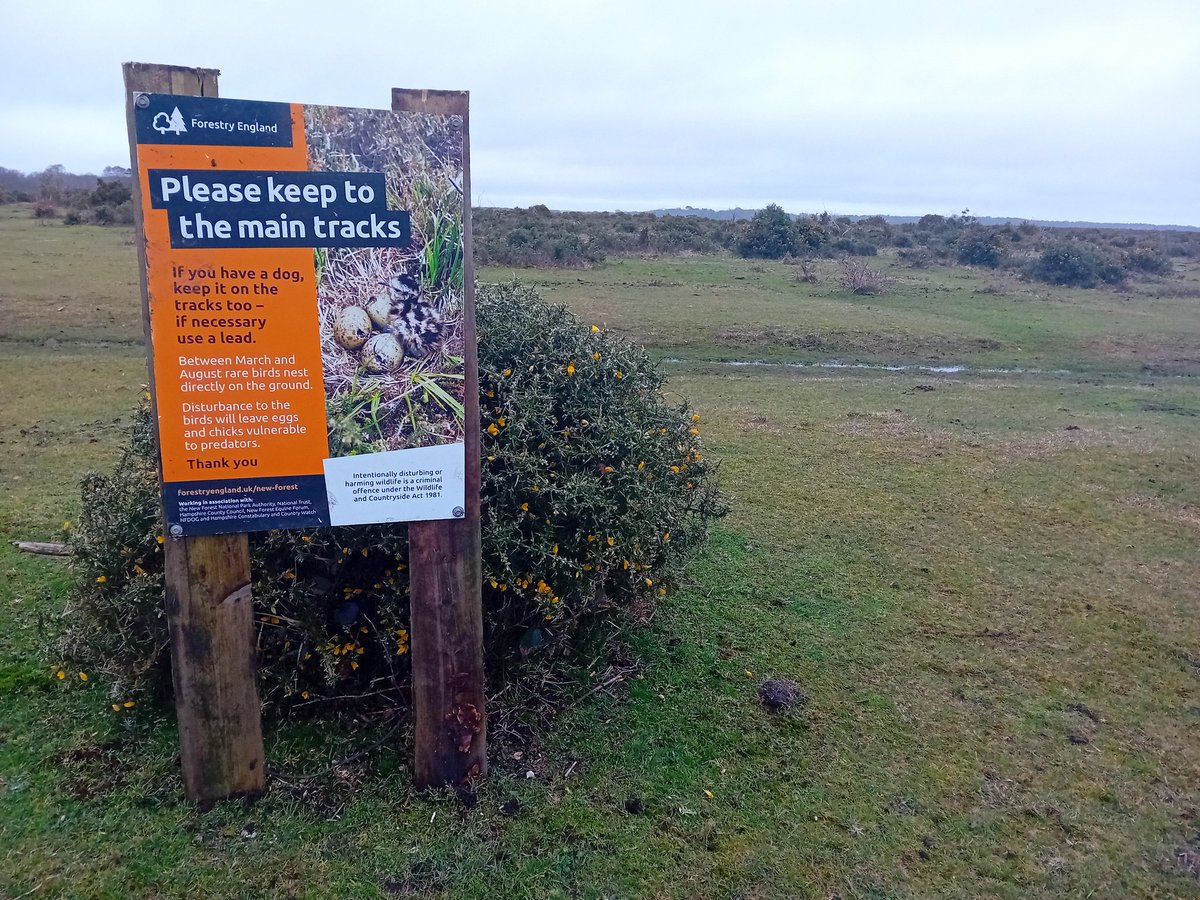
(594, 493)
(595, 487)
(1076, 264)
(980, 247)
(1148, 261)
(111, 203)
(770, 235)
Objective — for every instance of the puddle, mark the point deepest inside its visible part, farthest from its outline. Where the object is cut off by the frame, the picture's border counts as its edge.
(881, 367)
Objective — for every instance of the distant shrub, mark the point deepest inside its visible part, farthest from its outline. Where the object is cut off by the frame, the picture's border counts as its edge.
(678, 234)
(109, 193)
(109, 203)
(44, 209)
(770, 235)
(917, 257)
(811, 235)
(980, 247)
(1076, 263)
(859, 278)
(853, 246)
(594, 492)
(806, 272)
(1148, 261)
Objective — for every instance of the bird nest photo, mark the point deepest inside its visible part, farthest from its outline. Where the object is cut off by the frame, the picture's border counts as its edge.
(392, 317)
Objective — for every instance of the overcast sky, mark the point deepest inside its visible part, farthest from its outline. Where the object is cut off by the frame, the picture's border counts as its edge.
(1052, 110)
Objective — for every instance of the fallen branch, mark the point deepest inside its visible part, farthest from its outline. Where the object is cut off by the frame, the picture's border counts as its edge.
(604, 684)
(42, 548)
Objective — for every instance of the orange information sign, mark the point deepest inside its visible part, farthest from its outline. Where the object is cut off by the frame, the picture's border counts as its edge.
(305, 275)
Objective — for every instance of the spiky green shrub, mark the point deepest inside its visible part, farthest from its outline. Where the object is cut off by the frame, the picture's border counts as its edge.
(1076, 263)
(595, 488)
(771, 234)
(1148, 261)
(980, 247)
(594, 492)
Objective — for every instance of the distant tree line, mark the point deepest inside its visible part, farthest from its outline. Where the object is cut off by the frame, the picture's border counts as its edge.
(1082, 257)
(103, 199)
(540, 237)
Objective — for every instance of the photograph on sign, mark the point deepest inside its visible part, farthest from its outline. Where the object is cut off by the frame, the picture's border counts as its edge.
(305, 276)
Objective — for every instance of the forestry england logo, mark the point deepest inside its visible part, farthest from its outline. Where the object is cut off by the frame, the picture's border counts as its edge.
(173, 123)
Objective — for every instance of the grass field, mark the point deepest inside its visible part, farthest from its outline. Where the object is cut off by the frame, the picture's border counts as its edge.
(985, 582)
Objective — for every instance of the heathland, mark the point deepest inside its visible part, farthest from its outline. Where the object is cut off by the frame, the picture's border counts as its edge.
(965, 512)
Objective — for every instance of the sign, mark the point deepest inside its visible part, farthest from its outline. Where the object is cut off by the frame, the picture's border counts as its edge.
(306, 299)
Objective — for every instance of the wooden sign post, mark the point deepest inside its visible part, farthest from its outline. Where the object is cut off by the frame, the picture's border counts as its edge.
(445, 559)
(207, 578)
(278, 275)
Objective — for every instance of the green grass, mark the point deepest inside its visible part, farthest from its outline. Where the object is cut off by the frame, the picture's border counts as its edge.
(77, 283)
(723, 308)
(985, 584)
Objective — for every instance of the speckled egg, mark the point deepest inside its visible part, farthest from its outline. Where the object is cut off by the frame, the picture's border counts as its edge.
(380, 310)
(352, 327)
(382, 354)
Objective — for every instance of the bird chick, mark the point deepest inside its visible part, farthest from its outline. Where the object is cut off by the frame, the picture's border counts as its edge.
(402, 311)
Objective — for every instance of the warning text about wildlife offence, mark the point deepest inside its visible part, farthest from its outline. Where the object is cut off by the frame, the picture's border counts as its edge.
(213, 209)
(422, 482)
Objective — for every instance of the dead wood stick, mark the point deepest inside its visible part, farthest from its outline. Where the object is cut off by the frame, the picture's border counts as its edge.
(42, 548)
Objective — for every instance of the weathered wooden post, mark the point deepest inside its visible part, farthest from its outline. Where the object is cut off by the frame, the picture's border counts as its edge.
(445, 558)
(207, 577)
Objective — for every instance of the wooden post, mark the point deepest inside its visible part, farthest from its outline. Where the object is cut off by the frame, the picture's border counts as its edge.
(445, 561)
(208, 600)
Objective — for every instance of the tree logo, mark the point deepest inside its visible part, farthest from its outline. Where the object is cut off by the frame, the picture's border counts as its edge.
(174, 123)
